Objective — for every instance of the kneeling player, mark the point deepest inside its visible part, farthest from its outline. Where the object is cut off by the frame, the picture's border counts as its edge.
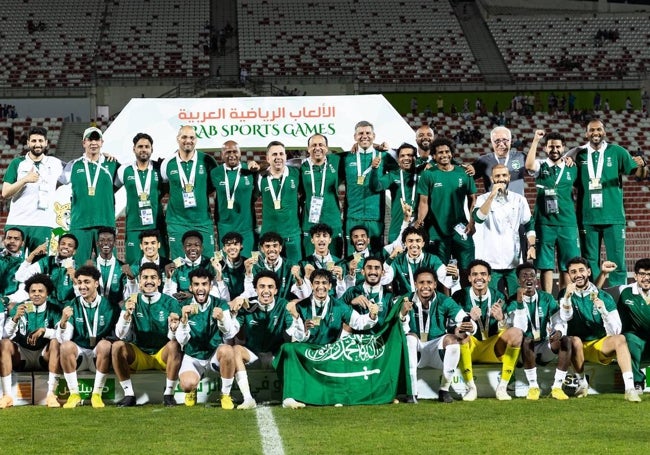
(205, 326)
(30, 342)
(152, 318)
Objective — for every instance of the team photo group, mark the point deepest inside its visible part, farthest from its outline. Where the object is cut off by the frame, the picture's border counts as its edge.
(229, 265)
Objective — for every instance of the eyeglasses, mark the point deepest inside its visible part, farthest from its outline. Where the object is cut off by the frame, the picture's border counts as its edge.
(643, 274)
(501, 141)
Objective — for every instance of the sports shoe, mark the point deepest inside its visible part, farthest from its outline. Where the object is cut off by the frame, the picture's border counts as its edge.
(444, 396)
(52, 401)
(582, 390)
(533, 393)
(248, 404)
(6, 402)
(169, 401)
(471, 394)
(639, 387)
(74, 400)
(126, 402)
(96, 400)
(631, 395)
(226, 402)
(502, 393)
(558, 393)
(292, 404)
(190, 398)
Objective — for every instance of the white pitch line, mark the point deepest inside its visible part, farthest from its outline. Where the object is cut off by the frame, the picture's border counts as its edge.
(271, 439)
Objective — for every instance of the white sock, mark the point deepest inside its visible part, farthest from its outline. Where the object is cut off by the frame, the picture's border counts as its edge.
(226, 385)
(127, 386)
(100, 380)
(628, 380)
(503, 383)
(52, 382)
(242, 382)
(412, 344)
(449, 364)
(471, 384)
(71, 379)
(560, 376)
(170, 386)
(6, 384)
(531, 375)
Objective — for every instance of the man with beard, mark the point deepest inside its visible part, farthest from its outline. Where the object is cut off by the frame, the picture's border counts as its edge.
(595, 326)
(536, 314)
(29, 342)
(600, 199)
(30, 181)
(280, 207)
(59, 268)
(151, 320)
(82, 331)
(11, 257)
(493, 342)
(320, 182)
(234, 207)
(429, 313)
(92, 178)
(634, 308)
(144, 191)
(324, 316)
(401, 183)
(424, 137)
(556, 225)
(266, 324)
(443, 191)
(499, 215)
(188, 173)
(204, 329)
(513, 160)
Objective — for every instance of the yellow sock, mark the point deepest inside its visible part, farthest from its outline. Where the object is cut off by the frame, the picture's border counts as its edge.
(465, 363)
(509, 360)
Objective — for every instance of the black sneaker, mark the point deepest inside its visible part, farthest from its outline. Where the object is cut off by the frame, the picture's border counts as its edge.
(444, 396)
(639, 387)
(411, 399)
(126, 402)
(169, 401)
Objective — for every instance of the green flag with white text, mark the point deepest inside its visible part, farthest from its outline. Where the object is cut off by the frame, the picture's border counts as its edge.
(359, 369)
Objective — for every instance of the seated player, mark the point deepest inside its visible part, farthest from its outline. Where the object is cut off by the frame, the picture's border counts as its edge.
(30, 342)
(151, 319)
(86, 323)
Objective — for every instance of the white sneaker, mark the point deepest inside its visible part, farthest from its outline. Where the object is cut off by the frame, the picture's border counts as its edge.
(582, 390)
(502, 393)
(248, 404)
(632, 395)
(471, 394)
(292, 404)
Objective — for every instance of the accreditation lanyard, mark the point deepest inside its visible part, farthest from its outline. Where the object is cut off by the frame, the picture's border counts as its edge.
(559, 177)
(322, 183)
(92, 184)
(416, 263)
(418, 304)
(535, 324)
(488, 296)
(368, 169)
(92, 331)
(106, 285)
(402, 186)
(143, 192)
(277, 197)
(230, 198)
(187, 184)
(496, 157)
(599, 166)
(323, 312)
(367, 290)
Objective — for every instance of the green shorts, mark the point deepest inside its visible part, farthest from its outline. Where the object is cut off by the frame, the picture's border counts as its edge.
(549, 238)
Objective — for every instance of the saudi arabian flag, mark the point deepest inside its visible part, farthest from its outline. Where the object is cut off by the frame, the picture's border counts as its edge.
(359, 369)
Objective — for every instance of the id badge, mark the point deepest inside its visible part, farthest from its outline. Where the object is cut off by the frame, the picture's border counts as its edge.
(43, 197)
(595, 185)
(189, 201)
(460, 230)
(144, 204)
(550, 202)
(596, 200)
(315, 208)
(146, 216)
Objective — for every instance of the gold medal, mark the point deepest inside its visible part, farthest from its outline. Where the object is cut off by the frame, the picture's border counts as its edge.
(361, 179)
(144, 196)
(231, 204)
(277, 204)
(189, 187)
(91, 191)
(93, 341)
(424, 336)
